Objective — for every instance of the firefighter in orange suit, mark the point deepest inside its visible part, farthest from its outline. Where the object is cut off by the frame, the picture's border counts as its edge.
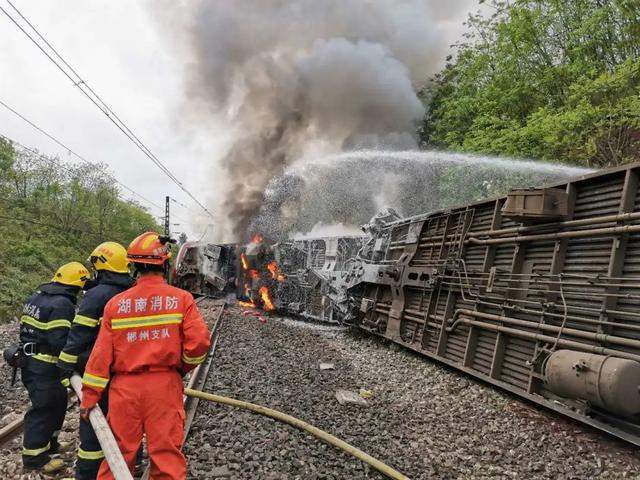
(151, 335)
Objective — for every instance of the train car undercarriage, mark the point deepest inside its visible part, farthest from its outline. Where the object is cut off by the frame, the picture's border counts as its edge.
(537, 292)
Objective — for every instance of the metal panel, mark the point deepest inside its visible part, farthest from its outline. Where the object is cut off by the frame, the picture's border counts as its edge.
(498, 297)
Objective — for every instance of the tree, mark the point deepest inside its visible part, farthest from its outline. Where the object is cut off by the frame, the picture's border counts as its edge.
(547, 79)
(52, 212)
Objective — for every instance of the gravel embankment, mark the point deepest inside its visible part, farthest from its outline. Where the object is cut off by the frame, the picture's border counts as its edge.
(425, 420)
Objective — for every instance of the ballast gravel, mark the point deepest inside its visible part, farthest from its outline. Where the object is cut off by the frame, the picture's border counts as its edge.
(423, 419)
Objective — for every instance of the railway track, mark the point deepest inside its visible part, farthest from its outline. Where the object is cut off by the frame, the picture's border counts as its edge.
(422, 419)
(11, 431)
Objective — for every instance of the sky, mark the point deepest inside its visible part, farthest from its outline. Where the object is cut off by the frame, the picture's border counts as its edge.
(120, 51)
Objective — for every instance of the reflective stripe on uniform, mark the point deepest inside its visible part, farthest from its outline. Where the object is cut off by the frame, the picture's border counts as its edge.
(46, 358)
(147, 321)
(67, 357)
(51, 324)
(90, 455)
(65, 382)
(34, 452)
(94, 380)
(86, 321)
(193, 360)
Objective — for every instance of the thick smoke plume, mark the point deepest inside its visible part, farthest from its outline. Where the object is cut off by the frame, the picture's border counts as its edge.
(307, 75)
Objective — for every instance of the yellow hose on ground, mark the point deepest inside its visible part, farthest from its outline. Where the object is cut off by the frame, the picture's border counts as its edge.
(283, 417)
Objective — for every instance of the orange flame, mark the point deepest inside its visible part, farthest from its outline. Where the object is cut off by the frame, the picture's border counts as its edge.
(276, 274)
(266, 299)
(245, 262)
(246, 304)
(257, 238)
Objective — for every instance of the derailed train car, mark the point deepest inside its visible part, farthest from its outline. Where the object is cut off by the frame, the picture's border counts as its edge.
(537, 292)
(205, 268)
(305, 278)
(316, 275)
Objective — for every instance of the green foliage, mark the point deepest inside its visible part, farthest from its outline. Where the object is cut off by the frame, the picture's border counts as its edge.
(51, 213)
(547, 79)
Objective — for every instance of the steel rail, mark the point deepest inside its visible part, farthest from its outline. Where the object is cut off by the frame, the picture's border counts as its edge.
(15, 428)
(11, 431)
(197, 379)
(200, 374)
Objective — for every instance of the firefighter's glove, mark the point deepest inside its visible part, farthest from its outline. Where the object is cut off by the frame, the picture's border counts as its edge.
(65, 375)
(84, 414)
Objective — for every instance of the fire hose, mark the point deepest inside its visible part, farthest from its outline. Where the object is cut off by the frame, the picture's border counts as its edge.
(121, 472)
(283, 417)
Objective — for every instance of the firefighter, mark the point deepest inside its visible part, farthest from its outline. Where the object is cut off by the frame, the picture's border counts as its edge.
(44, 327)
(151, 335)
(111, 267)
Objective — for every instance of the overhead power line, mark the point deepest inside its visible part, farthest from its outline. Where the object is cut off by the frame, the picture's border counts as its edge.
(82, 85)
(180, 204)
(203, 233)
(78, 156)
(52, 163)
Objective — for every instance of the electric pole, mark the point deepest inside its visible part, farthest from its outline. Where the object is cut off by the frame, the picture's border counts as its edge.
(166, 216)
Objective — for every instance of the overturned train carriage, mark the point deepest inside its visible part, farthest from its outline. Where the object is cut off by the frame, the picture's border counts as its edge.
(205, 268)
(316, 276)
(537, 292)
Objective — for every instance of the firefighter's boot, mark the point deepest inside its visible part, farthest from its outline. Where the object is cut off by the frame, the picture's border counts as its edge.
(52, 466)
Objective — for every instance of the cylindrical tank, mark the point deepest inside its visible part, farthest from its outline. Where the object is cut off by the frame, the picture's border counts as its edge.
(610, 383)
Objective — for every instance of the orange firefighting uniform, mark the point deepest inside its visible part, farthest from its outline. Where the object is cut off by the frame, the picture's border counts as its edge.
(151, 334)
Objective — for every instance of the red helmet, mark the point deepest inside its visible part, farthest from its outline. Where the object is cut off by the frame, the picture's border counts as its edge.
(149, 248)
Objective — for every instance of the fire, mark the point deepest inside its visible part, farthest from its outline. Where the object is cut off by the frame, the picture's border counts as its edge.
(254, 277)
(276, 274)
(266, 299)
